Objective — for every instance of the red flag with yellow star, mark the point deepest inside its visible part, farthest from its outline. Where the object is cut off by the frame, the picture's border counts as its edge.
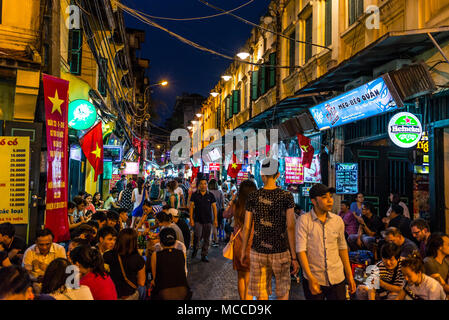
(56, 96)
(234, 167)
(92, 145)
(306, 149)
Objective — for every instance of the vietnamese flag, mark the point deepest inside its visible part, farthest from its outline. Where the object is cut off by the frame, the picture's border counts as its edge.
(306, 149)
(92, 145)
(234, 168)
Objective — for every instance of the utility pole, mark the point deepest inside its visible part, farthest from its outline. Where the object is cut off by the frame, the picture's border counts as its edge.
(55, 65)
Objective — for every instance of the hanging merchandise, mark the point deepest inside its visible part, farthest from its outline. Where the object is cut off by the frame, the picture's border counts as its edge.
(92, 145)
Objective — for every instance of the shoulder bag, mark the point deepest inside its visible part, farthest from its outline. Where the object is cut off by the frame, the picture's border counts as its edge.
(132, 285)
(228, 251)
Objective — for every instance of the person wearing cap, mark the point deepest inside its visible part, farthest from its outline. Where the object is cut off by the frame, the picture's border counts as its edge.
(369, 230)
(271, 211)
(322, 250)
(182, 225)
(168, 270)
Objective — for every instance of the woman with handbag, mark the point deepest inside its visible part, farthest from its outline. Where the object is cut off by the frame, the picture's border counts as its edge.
(236, 209)
(127, 266)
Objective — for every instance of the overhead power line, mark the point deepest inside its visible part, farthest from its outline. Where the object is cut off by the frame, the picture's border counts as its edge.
(260, 27)
(148, 21)
(198, 18)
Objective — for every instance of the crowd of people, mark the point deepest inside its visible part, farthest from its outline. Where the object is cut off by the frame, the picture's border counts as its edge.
(134, 244)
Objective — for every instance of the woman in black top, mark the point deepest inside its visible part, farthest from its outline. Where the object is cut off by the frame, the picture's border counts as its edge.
(168, 269)
(127, 266)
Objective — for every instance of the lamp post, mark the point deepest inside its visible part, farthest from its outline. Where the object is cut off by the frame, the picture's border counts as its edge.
(163, 83)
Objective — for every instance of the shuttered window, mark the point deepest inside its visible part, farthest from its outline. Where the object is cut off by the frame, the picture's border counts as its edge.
(291, 51)
(254, 85)
(75, 50)
(328, 30)
(355, 10)
(228, 107)
(218, 119)
(262, 81)
(272, 70)
(235, 101)
(309, 24)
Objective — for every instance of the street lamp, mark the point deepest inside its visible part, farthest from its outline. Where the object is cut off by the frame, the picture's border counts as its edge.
(162, 83)
(214, 94)
(243, 55)
(199, 115)
(226, 77)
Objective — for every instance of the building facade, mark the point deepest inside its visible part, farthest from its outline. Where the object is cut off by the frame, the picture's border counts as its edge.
(306, 52)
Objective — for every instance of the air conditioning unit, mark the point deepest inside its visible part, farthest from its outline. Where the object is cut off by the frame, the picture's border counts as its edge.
(390, 66)
(357, 83)
(306, 122)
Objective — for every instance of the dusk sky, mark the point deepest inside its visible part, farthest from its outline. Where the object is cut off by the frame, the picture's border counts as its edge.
(186, 68)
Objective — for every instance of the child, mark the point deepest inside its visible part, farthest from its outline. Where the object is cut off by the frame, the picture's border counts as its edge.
(418, 285)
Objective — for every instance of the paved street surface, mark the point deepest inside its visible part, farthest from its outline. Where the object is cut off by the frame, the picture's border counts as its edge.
(217, 280)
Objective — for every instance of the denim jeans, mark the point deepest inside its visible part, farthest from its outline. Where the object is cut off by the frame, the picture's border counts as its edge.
(367, 241)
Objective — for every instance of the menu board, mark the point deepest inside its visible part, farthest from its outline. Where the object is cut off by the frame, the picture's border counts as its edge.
(346, 178)
(15, 160)
(294, 171)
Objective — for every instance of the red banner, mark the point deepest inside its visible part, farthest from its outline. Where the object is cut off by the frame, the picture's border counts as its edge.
(56, 111)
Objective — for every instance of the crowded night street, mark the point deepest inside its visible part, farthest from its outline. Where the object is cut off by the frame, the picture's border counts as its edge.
(218, 159)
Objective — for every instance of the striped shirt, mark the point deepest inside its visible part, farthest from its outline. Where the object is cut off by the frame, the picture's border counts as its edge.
(386, 275)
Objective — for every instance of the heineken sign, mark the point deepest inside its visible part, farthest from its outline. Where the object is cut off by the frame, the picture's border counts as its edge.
(82, 114)
(405, 130)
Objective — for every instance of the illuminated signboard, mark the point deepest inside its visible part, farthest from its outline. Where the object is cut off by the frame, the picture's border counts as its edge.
(131, 168)
(112, 153)
(294, 171)
(346, 178)
(375, 97)
(82, 114)
(243, 174)
(405, 130)
(214, 166)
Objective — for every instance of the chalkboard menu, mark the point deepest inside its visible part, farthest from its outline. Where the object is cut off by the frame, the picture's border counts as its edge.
(346, 178)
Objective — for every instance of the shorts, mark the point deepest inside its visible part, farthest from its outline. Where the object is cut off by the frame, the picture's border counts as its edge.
(262, 268)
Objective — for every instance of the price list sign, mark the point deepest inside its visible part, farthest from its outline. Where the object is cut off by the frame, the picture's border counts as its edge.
(14, 177)
(346, 178)
(294, 170)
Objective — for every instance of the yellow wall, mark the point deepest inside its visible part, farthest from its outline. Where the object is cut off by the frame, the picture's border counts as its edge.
(395, 15)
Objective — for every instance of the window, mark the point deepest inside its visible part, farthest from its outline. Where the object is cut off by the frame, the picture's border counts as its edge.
(254, 85)
(218, 119)
(228, 109)
(308, 52)
(102, 82)
(262, 80)
(328, 30)
(272, 70)
(235, 102)
(355, 10)
(291, 51)
(75, 50)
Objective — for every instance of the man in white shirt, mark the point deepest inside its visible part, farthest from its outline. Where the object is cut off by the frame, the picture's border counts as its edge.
(180, 193)
(37, 257)
(322, 249)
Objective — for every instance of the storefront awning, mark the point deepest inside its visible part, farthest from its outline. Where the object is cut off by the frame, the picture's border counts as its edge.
(391, 46)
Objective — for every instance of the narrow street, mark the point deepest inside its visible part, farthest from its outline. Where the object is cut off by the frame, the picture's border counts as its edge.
(217, 280)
